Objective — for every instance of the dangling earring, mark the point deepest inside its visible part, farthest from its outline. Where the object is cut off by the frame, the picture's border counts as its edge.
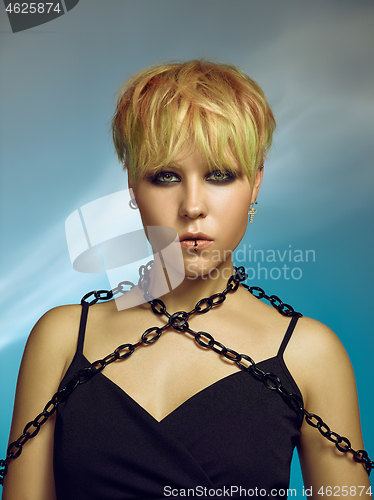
(133, 204)
(252, 212)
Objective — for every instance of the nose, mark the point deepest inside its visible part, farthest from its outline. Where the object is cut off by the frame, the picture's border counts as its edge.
(194, 202)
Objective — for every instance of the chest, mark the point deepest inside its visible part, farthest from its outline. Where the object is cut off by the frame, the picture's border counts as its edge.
(161, 375)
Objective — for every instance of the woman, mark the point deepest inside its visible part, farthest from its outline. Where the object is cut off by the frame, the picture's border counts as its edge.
(178, 417)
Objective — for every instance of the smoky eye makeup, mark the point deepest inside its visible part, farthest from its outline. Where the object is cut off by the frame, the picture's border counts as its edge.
(163, 178)
(218, 176)
(222, 176)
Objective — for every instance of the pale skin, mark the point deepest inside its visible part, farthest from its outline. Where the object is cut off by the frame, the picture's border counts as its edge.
(189, 198)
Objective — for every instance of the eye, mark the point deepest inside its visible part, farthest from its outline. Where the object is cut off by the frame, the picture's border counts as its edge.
(165, 178)
(221, 176)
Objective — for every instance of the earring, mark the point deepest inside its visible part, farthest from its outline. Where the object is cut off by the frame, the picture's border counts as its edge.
(252, 212)
(133, 204)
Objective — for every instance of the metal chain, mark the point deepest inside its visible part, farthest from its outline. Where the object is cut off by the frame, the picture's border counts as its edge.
(123, 351)
(275, 301)
(179, 322)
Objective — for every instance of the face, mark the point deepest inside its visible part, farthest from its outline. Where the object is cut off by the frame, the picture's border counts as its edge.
(209, 210)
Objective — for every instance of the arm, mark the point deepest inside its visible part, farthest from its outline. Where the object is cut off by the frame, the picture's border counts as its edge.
(49, 350)
(330, 392)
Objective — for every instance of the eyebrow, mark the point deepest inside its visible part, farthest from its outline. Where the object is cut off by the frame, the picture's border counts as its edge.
(175, 164)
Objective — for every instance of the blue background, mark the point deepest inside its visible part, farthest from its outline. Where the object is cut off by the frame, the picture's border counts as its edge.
(315, 63)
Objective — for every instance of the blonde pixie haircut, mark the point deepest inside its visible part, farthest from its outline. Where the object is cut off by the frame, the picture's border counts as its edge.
(195, 104)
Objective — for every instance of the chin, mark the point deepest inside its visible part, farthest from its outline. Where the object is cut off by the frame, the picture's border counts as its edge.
(206, 272)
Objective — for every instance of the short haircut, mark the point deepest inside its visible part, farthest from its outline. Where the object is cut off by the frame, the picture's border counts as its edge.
(195, 104)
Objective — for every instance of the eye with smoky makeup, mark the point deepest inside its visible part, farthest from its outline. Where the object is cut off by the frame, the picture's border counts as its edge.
(217, 176)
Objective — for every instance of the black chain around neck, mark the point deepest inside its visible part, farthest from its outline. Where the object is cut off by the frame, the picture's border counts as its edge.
(179, 322)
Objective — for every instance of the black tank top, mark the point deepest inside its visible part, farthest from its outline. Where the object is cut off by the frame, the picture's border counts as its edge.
(232, 436)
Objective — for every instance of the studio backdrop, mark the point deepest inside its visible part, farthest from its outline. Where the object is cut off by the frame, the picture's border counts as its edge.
(312, 239)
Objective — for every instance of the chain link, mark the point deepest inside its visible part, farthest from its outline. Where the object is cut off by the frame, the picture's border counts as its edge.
(179, 322)
(281, 307)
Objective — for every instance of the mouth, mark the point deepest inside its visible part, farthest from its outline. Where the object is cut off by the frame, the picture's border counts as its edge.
(195, 241)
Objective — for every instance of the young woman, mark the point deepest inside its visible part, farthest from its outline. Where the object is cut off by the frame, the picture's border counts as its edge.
(177, 416)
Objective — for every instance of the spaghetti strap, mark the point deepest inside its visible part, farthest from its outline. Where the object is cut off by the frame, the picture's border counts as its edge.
(287, 335)
(82, 327)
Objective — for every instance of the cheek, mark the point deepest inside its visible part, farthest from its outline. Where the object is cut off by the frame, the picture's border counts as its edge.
(235, 218)
(234, 209)
(238, 223)
(154, 212)
(148, 206)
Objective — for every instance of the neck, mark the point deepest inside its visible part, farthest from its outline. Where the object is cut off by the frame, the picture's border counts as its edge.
(194, 288)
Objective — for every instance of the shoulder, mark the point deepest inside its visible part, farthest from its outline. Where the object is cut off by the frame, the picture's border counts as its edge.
(56, 322)
(315, 356)
(49, 348)
(54, 337)
(316, 339)
(316, 343)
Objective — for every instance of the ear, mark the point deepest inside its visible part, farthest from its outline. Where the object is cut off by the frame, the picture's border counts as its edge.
(257, 179)
(129, 180)
(131, 185)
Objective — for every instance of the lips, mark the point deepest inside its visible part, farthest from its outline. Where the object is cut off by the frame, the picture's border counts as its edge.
(195, 241)
(194, 236)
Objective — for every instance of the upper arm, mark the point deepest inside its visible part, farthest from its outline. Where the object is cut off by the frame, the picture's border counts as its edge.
(330, 392)
(47, 352)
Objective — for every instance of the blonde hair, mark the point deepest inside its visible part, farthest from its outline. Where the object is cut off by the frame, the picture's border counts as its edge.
(214, 107)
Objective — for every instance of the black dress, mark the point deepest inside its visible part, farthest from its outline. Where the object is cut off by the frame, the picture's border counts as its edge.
(225, 441)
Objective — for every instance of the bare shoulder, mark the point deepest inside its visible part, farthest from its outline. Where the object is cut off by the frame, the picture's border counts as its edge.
(59, 317)
(314, 340)
(315, 355)
(50, 346)
(54, 336)
(49, 350)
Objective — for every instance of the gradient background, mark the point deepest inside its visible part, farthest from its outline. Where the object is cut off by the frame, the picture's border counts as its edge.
(315, 63)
